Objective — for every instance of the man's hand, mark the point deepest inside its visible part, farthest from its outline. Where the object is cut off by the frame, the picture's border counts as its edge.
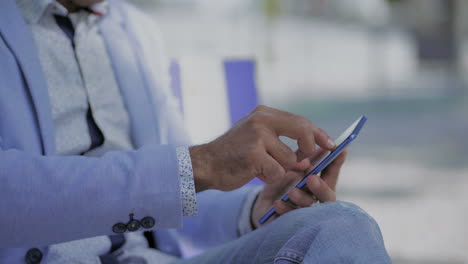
(251, 148)
(318, 189)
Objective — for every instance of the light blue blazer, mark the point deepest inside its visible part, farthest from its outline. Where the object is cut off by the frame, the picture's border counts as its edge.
(47, 199)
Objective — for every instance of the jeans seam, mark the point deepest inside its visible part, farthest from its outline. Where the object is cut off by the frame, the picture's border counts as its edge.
(289, 255)
(288, 259)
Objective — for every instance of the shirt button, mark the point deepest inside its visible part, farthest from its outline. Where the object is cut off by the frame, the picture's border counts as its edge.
(147, 222)
(33, 256)
(119, 228)
(133, 225)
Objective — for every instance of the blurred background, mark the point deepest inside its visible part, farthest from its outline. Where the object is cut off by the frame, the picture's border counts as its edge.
(402, 63)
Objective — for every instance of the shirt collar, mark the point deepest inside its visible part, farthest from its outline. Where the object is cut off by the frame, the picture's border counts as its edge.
(33, 10)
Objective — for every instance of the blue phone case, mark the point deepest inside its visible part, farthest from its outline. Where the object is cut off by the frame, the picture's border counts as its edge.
(322, 165)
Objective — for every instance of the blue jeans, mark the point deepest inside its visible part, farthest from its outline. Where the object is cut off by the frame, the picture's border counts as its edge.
(334, 232)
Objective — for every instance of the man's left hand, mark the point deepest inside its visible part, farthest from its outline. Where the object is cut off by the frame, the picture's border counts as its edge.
(318, 189)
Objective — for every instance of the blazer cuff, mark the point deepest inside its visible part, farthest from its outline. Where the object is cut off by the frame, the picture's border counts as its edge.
(153, 192)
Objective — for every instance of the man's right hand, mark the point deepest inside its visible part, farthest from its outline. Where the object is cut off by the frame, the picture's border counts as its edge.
(252, 148)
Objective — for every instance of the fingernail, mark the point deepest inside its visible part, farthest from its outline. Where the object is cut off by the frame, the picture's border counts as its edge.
(331, 143)
(315, 181)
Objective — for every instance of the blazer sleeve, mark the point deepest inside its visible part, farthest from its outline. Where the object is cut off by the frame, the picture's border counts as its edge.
(48, 200)
(217, 222)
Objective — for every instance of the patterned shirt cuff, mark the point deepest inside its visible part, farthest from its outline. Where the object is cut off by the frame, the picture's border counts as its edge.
(187, 183)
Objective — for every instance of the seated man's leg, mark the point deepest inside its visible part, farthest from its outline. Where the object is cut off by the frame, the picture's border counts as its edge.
(334, 232)
(344, 233)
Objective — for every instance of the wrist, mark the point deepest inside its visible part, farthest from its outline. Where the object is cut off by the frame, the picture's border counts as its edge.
(246, 220)
(260, 206)
(253, 221)
(201, 165)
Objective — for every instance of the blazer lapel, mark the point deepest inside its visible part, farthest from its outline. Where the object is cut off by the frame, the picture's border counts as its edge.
(130, 78)
(18, 37)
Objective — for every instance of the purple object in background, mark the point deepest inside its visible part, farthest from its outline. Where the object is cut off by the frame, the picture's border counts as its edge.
(239, 75)
(174, 72)
(241, 91)
(241, 88)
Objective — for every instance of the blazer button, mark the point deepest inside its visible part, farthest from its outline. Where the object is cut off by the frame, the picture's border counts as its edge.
(147, 222)
(33, 256)
(133, 225)
(119, 228)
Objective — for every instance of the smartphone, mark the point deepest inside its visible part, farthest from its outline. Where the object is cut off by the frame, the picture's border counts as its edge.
(326, 158)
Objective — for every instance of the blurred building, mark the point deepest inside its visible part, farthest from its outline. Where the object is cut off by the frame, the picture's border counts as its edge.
(364, 47)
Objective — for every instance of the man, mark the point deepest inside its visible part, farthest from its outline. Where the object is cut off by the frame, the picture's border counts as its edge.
(93, 152)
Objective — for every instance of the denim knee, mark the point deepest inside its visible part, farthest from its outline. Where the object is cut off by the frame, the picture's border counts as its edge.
(339, 210)
(322, 227)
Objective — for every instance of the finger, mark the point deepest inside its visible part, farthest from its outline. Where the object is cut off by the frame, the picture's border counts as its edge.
(306, 163)
(296, 127)
(282, 207)
(280, 152)
(291, 178)
(301, 198)
(270, 171)
(318, 152)
(321, 189)
(302, 165)
(331, 173)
